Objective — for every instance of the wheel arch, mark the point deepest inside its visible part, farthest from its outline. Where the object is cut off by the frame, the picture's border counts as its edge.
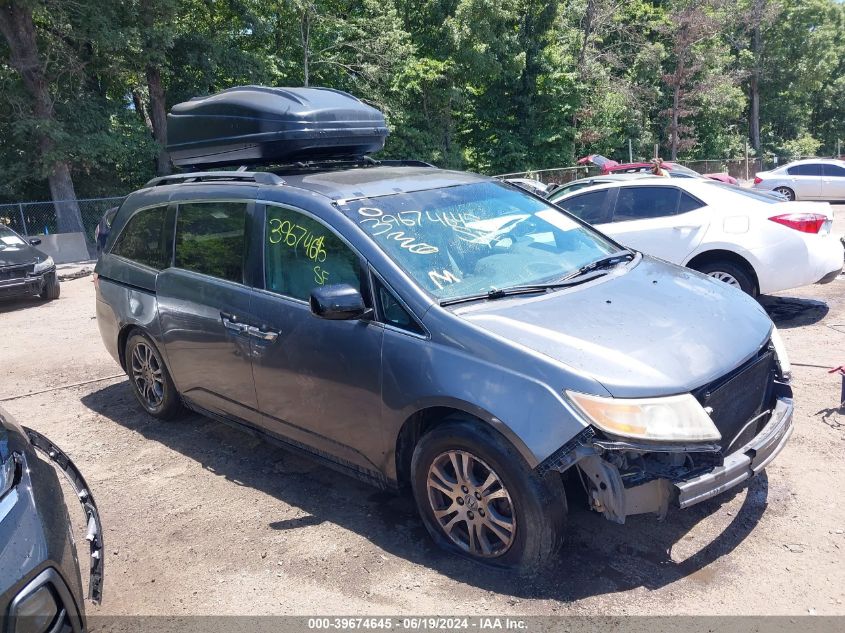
(429, 417)
(123, 336)
(719, 254)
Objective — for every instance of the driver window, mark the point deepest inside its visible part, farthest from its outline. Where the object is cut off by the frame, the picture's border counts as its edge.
(301, 254)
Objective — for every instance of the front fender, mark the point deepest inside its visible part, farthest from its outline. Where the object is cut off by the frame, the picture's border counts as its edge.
(420, 375)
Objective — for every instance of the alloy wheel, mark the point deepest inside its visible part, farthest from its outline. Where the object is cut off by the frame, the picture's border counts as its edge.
(786, 192)
(725, 277)
(471, 504)
(147, 375)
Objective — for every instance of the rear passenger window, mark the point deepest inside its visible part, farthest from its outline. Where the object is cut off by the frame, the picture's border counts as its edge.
(301, 254)
(144, 239)
(643, 203)
(210, 239)
(688, 203)
(590, 207)
(810, 169)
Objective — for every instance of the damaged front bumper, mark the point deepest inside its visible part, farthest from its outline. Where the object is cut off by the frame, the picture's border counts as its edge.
(626, 478)
(743, 463)
(26, 284)
(94, 528)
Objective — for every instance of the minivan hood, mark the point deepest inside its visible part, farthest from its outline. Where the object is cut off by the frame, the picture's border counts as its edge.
(654, 329)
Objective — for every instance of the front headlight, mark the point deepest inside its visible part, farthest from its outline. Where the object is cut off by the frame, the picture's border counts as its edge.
(668, 419)
(7, 474)
(780, 355)
(41, 266)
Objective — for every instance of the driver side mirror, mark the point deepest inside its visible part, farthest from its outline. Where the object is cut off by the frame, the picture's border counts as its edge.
(339, 302)
(35, 241)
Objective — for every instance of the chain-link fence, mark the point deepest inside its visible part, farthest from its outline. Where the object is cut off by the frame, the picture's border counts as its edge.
(558, 176)
(40, 218)
(739, 168)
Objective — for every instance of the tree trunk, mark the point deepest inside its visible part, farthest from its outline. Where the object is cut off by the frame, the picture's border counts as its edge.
(754, 123)
(141, 109)
(305, 39)
(68, 216)
(18, 28)
(158, 116)
(673, 128)
(588, 30)
(757, 50)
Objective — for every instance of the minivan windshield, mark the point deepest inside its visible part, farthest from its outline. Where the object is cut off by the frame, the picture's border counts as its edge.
(467, 239)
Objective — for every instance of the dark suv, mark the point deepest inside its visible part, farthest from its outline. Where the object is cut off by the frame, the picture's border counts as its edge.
(435, 329)
(25, 270)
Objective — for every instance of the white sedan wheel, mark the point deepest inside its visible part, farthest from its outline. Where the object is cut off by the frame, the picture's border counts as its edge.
(725, 277)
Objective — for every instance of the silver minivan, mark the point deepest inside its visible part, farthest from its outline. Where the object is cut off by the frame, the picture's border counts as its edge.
(444, 332)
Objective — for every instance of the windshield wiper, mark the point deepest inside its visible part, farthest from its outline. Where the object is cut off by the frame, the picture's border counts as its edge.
(499, 293)
(603, 263)
(571, 279)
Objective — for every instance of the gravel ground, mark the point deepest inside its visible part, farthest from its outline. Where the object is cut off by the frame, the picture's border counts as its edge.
(203, 519)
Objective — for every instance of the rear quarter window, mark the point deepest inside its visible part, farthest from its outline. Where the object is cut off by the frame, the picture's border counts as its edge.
(144, 239)
(810, 169)
(688, 203)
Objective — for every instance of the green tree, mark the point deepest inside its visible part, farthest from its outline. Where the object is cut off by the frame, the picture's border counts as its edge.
(37, 115)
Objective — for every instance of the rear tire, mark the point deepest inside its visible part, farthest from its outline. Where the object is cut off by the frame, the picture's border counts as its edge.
(479, 499)
(52, 289)
(786, 191)
(151, 383)
(730, 273)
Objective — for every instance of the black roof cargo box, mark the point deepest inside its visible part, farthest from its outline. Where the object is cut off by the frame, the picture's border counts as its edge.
(257, 124)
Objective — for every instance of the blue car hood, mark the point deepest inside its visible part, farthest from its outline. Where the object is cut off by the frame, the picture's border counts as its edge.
(649, 329)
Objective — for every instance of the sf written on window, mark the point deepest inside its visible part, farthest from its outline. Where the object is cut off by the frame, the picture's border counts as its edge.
(301, 254)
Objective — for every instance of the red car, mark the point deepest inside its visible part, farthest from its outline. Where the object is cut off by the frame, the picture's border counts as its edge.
(609, 166)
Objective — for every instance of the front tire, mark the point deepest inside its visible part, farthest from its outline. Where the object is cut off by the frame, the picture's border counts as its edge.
(478, 498)
(151, 383)
(731, 274)
(52, 289)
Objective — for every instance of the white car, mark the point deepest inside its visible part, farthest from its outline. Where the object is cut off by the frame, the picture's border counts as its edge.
(811, 179)
(749, 240)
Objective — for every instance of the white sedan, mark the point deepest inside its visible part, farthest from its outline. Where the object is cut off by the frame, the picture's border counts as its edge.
(811, 179)
(744, 238)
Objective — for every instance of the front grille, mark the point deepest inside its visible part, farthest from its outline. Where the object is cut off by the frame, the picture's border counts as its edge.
(8, 273)
(739, 398)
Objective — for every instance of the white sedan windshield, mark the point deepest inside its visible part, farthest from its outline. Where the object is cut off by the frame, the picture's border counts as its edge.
(460, 240)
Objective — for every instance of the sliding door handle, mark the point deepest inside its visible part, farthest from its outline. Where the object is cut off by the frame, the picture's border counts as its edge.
(230, 323)
(263, 334)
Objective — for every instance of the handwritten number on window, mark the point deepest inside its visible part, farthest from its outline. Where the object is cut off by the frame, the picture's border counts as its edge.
(292, 235)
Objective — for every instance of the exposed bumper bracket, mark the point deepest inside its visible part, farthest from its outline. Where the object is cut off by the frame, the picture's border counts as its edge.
(743, 463)
(94, 534)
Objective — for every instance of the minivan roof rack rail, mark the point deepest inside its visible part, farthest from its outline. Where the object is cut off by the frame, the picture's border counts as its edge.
(326, 165)
(259, 177)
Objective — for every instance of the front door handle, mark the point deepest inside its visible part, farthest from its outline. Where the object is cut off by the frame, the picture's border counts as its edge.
(230, 323)
(262, 333)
